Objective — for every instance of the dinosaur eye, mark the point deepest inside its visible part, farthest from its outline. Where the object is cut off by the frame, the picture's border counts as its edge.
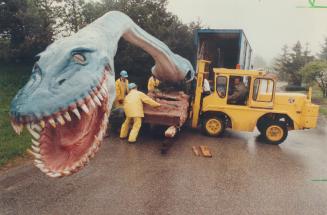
(79, 58)
(61, 81)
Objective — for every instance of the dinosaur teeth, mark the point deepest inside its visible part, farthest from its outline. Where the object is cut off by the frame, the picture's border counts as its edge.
(61, 120)
(35, 143)
(99, 96)
(93, 105)
(67, 116)
(103, 92)
(42, 124)
(100, 135)
(52, 122)
(45, 170)
(95, 98)
(38, 161)
(36, 127)
(32, 132)
(40, 166)
(76, 112)
(85, 159)
(85, 109)
(36, 155)
(54, 174)
(77, 165)
(36, 149)
(66, 172)
(18, 128)
(105, 87)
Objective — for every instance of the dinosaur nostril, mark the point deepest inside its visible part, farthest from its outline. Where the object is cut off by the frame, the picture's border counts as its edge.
(61, 81)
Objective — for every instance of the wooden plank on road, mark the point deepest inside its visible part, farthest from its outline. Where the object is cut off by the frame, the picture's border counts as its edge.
(196, 151)
(205, 151)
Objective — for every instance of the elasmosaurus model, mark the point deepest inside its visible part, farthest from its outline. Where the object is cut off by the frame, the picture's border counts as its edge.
(67, 101)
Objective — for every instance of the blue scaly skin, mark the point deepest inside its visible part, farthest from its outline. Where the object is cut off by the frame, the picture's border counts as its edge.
(67, 101)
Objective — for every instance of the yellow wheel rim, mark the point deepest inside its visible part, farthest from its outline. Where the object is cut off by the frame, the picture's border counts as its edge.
(274, 133)
(213, 126)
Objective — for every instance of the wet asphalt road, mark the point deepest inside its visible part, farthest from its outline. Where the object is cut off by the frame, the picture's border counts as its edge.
(243, 177)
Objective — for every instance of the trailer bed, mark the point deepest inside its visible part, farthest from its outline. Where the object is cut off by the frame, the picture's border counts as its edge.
(172, 112)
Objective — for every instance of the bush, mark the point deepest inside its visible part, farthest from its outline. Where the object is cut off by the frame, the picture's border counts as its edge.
(296, 88)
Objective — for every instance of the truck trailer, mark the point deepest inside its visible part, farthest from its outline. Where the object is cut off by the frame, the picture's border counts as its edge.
(224, 48)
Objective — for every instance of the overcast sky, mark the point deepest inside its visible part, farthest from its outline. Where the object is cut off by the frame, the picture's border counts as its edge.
(268, 24)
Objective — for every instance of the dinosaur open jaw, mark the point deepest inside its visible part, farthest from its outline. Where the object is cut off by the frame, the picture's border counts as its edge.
(64, 142)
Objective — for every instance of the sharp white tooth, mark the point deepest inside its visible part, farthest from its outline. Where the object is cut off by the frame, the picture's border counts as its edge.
(52, 122)
(103, 92)
(54, 174)
(61, 120)
(93, 105)
(95, 98)
(92, 155)
(18, 128)
(45, 170)
(85, 109)
(36, 155)
(32, 132)
(38, 161)
(67, 117)
(76, 112)
(85, 159)
(35, 143)
(35, 149)
(42, 124)
(100, 135)
(104, 86)
(66, 172)
(40, 166)
(77, 165)
(36, 127)
(99, 96)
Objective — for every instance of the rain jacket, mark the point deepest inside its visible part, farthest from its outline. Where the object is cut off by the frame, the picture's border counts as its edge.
(121, 90)
(133, 103)
(153, 83)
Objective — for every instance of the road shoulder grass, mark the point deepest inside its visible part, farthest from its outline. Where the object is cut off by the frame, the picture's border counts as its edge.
(12, 78)
(317, 98)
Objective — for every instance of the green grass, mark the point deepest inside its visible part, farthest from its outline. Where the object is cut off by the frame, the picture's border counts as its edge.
(318, 98)
(12, 78)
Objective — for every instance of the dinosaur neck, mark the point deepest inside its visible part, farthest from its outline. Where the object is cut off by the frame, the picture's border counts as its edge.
(114, 25)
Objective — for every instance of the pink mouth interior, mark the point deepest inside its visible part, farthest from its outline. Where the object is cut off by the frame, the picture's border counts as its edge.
(64, 146)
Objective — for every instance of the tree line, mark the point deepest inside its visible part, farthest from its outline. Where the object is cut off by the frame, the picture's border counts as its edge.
(28, 26)
(298, 66)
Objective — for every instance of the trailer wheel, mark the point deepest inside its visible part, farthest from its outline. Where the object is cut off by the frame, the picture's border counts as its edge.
(275, 132)
(213, 126)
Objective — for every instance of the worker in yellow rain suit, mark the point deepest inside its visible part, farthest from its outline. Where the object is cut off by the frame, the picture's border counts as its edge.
(133, 107)
(121, 88)
(153, 83)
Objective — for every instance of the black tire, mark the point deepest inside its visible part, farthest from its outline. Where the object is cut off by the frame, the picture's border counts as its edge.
(213, 132)
(280, 135)
(262, 124)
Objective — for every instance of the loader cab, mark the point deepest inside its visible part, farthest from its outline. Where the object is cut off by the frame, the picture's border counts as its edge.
(241, 88)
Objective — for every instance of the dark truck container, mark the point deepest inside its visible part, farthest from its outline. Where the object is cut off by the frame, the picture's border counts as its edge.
(225, 48)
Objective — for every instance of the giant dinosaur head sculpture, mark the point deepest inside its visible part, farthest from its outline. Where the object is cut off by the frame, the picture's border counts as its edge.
(66, 103)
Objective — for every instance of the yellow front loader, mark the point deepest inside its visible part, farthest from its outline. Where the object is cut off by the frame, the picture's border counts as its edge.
(272, 113)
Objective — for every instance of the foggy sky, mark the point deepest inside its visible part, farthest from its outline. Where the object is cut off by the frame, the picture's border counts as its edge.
(268, 24)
